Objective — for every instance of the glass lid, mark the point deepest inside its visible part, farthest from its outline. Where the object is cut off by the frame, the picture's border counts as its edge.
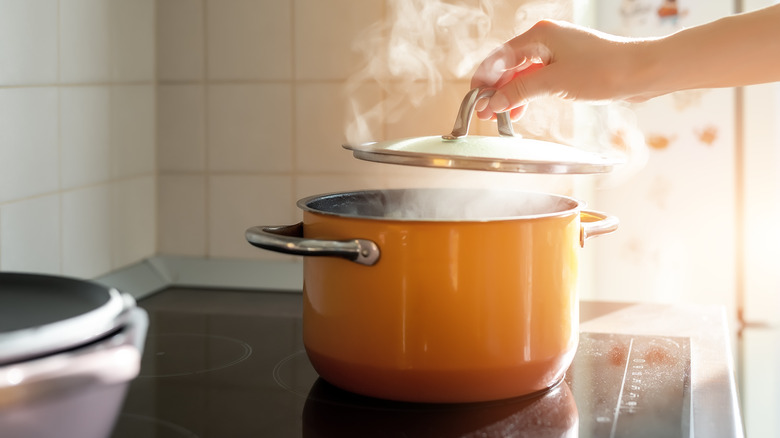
(506, 152)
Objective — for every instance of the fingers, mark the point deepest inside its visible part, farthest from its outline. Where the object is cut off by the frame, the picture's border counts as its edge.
(518, 57)
(514, 55)
(515, 94)
(562, 60)
(517, 113)
(495, 69)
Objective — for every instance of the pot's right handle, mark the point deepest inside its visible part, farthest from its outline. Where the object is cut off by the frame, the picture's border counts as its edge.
(288, 239)
(596, 223)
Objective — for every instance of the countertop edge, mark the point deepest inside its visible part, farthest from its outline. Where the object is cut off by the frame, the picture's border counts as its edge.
(159, 272)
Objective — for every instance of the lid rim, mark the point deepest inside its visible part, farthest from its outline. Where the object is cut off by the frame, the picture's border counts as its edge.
(392, 152)
(481, 163)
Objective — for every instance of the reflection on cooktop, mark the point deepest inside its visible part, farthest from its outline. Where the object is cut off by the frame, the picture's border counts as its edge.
(180, 354)
(331, 412)
(231, 364)
(134, 426)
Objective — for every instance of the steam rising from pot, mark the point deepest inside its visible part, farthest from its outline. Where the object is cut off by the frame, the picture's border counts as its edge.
(424, 45)
(442, 204)
(409, 53)
(474, 205)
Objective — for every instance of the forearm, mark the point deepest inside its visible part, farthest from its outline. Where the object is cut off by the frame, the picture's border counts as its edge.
(585, 65)
(738, 50)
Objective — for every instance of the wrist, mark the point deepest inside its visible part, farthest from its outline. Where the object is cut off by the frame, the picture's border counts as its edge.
(647, 72)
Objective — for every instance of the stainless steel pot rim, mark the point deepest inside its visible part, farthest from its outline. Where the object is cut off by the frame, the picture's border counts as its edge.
(573, 206)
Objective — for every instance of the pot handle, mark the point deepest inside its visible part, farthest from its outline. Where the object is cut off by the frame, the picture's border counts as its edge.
(466, 111)
(595, 223)
(288, 239)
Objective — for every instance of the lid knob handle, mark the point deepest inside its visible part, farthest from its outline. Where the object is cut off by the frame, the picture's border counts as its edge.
(466, 111)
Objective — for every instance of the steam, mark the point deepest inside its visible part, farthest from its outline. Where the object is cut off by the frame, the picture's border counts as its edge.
(423, 44)
(612, 129)
(411, 52)
(460, 204)
(444, 204)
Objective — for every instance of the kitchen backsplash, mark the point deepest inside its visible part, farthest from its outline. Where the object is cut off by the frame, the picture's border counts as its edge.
(77, 135)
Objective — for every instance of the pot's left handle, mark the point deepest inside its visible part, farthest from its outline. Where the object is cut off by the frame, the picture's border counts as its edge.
(596, 223)
(288, 239)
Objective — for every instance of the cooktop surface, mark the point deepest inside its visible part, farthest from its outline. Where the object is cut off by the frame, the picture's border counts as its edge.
(221, 363)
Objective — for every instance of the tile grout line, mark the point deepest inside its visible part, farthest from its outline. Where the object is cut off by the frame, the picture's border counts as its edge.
(60, 200)
(293, 112)
(156, 88)
(207, 143)
(383, 91)
(78, 84)
(112, 214)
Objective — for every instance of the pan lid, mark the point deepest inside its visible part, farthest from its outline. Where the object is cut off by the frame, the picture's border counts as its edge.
(42, 314)
(507, 152)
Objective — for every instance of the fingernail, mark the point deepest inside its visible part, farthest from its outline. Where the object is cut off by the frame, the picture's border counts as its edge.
(498, 103)
(481, 105)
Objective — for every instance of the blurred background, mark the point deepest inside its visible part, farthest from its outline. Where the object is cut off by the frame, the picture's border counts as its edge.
(131, 129)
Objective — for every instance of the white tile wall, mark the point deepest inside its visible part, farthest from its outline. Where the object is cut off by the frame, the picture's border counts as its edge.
(249, 39)
(237, 202)
(29, 147)
(320, 115)
(249, 127)
(133, 40)
(84, 135)
(77, 135)
(181, 131)
(180, 39)
(182, 213)
(86, 231)
(30, 235)
(28, 42)
(133, 220)
(324, 34)
(133, 130)
(431, 116)
(85, 41)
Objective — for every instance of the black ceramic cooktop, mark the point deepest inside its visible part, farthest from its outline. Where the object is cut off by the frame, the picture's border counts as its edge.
(223, 363)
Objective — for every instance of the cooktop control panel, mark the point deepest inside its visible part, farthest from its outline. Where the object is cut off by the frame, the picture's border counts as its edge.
(632, 386)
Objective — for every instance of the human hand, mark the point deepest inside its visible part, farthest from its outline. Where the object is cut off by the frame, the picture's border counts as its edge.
(564, 60)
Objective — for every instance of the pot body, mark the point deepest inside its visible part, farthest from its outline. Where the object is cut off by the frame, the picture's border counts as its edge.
(452, 311)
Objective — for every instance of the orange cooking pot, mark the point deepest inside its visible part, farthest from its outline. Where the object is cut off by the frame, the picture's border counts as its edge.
(439, 295)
